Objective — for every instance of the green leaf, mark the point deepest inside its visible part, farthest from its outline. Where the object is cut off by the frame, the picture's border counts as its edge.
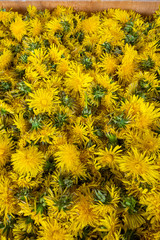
(87, 62)
(23, 88)
(66, 26)
(146, 65)
(98, 92)
(60, 119)
(106, 46)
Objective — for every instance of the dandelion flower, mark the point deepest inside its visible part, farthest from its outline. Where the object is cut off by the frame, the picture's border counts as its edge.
(68, 159)
(53, 26)
(108, 157)
(83, 214)
(28, 161)
(5, 108)
(18, 28)
(77, 81)
(62, 67)
(152, 202)
(133, 221)
(20, 122)
(138, 165)
(7, 200)
(90, 25)
(108, 64)
(43, 100)
(144, 113)
(5, 149)
(121, 15)
(45, 134)
(5, 59)
(146, 141)
(37, 56)
(51, 229)
(110, 225)
(27, 210)
(127, 68)
(55, 53)
(32, 10)
(35, 27)
(79, 132)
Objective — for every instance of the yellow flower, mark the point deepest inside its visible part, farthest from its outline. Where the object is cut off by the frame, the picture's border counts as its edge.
(8, 204)
(31, 74)
(103, 209)
(20, 122)
(128, 66)
(152, 203)
(37, 56)
(55, 53)
(45, 134)
(108, 64)
(23, 228)
(111, 225)
(108, 157)
(5, 149)
(58, 204)
(28, 161)
(138, 165)
(62, 67)
(5, 59)
(133, 221)
(90, 25)
(18, 28)
(52, 229)
(83, 214)
(121, 15)
(25, 181)
(143, 113)
(79, 132)
(6, 17)
(27, 210)
(53, 26)
(77, 81)
(111, 32)
(43, 100)
(145, 141)
(35, 27)
(32, 10)
(68, 159)
(4, 107)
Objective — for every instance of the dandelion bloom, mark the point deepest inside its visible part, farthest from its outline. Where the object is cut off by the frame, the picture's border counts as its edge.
(138, 165)
(28, 161)
(43, 100)
(68, 159)
(6, 146)
(18, 28)
(51, 229)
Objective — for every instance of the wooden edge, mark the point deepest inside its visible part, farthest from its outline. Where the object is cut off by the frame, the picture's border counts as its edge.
(145, 8)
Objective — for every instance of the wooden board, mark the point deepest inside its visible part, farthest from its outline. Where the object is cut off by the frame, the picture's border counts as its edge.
(147, 7)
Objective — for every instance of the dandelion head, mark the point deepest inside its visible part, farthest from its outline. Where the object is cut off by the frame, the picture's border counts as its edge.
(68, 159)
(90, 25)
(5, 149)
(51, 229)
(28, 161)
(138, 165)
(42, 100)
(18, 28)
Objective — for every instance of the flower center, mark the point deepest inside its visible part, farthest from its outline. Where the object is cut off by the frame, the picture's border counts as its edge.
(44, 102)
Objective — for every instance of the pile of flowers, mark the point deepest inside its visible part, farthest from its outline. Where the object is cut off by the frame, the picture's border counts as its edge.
(79, 125)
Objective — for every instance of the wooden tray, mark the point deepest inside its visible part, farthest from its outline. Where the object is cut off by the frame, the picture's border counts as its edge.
(146, 7)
